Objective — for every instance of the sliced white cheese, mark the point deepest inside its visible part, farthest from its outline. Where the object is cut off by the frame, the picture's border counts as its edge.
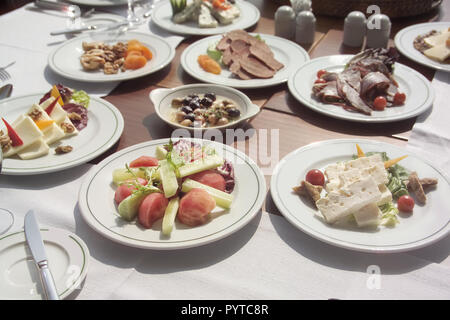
(386, 195)
(368, 215)
(53, 133)
(439, 53)
(339, 204)
(36, 149)
(437, 39)
(68, 122)
(58, 113)
(28, 132)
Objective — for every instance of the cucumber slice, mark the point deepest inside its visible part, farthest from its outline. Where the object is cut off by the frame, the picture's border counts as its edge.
(160, 153)
(223, 199)
(213, 53)
(129, 207)
(211, 162)
(121, 175)
(168, 179)
(170, 215)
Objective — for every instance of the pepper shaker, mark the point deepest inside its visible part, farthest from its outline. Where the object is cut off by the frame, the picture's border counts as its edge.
(378, 31)
(305, 28)
(285, 22)
(354, 29)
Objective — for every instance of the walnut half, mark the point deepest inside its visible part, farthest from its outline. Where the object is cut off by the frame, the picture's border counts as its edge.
(63, 149)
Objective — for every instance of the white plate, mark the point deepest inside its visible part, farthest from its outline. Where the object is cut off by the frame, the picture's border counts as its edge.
(104, 128)
(100, 3)
(162, 100)
(162, 17)
(68, 258)
(418, 90)
(404, 42)
(287, 52)
(65, 59)
(96, 202)
(426, 225)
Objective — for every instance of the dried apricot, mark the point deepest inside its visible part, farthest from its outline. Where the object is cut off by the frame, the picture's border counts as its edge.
(208, 64)
(135, 62)
(133, 52)
(146, 52)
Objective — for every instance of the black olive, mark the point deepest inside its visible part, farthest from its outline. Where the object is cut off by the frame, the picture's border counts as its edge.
(186, 109)
(190, 116)
(233, 112)
(186, 101)
(194, 104)
(193, 96)
(206, 102)
(211, 96)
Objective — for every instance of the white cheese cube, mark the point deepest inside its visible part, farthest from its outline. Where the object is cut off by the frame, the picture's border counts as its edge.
(368, 215)
(28, 132)
(205, 18)
(386, 195)
(338, 205)
(36, 149)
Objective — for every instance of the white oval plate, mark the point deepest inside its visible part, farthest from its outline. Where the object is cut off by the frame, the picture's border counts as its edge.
(68, 258)
(162, 17)
(418, 90)
(426, 225)
(100, 3)
(404, 42)
(162, 99)
(96, 202)
(65, 59)
(287, 52)
(104, 128)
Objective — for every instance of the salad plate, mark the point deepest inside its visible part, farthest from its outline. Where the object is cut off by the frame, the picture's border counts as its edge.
(425, 225)
(162, 17)
(290, 54)
(97, 201)
(68, 258)
(65, 59)
(418, 91)
(105, 126)
(404, 42)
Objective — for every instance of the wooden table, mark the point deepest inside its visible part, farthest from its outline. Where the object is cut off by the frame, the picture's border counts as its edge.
(297, 125)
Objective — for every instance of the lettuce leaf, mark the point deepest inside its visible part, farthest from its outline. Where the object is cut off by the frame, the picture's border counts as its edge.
(389, 215)
(81, 97)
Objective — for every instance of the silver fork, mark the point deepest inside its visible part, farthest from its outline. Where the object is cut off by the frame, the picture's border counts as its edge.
(4, 75)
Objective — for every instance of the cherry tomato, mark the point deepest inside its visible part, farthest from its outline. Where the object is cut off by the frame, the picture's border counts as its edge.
(315, 177)
(405, 204)
(320, 73)
(399, 98)
(379, 103)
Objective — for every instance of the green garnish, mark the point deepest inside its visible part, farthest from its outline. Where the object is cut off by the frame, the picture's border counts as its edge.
(81, 97)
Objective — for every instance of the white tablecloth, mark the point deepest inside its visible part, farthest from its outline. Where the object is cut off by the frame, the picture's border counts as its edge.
(268, 259)
(29, 44)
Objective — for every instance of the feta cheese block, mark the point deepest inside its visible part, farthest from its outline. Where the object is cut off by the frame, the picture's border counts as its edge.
(386, 195)
(226, 16)
(36, 149)
(339, 204)
(28, 132)
(205, 18)
(368, 215)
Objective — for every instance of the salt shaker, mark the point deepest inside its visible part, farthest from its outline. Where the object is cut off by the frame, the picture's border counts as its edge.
(354, 29)
(285, 22)
(378, 31)
(305, 27)
(300, 5)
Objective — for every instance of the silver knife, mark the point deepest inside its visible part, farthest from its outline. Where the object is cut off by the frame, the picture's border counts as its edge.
(34, 240)
(103, 27)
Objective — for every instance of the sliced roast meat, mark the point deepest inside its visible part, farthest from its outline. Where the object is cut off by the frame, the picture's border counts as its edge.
(238, 46)
(353, 77)
(266, 57)
(351, 96)
(374, 84)
(223, 44)
(329, 93)
(256, 68)
(227, 56)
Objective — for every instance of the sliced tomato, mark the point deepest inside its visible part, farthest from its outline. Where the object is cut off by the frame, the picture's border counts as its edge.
(399, 98)
(320, 73)
(144, 161)
(13, 135)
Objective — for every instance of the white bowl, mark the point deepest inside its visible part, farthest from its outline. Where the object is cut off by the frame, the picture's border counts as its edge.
(162, 100)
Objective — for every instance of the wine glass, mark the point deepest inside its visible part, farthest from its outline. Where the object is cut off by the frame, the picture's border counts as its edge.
(132, 18)
(6, 216)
